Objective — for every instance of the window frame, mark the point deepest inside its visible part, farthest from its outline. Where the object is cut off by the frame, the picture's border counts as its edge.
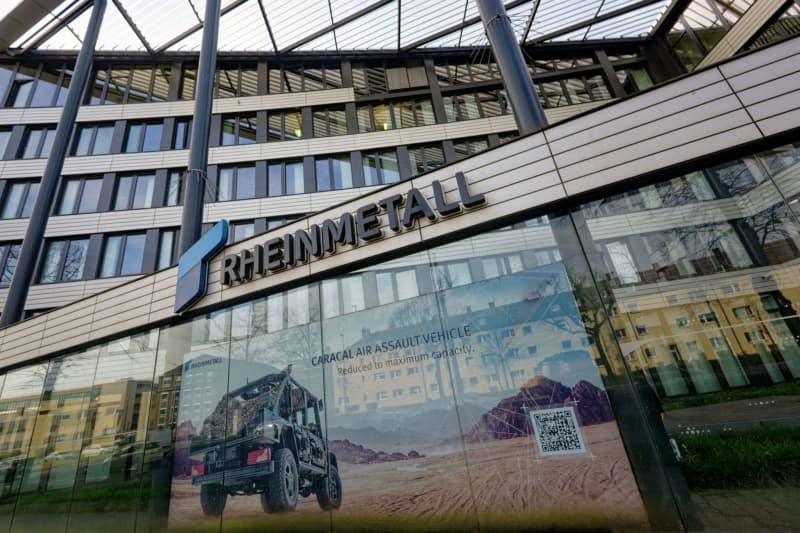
(140, 143)
(19, 211)
(135, 177)
(90, 149)
(46, 130)
(78, 196)
(120, 259)
(59, 277)
(5, 253)
(234, 181)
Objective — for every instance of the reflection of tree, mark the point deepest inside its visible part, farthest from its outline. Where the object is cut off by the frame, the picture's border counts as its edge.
(593, 309)
(413, 313)
(496, 350)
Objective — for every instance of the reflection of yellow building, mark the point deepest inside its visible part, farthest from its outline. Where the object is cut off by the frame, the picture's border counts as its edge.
(101, 415)
(735, 330)
(499, 355)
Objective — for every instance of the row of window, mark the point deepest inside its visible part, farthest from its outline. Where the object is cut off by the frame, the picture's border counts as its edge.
(78, 195)
(44, 85)
(242, 128)
(122, 254)
(82, 195)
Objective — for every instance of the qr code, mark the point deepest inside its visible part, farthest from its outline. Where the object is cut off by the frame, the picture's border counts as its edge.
(557, 431)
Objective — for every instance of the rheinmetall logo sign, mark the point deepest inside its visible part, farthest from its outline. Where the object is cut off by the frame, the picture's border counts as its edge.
(193, 266)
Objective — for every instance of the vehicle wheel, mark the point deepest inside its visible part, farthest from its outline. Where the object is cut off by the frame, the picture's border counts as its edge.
(329, 491)
(282, 485)
(212, 499)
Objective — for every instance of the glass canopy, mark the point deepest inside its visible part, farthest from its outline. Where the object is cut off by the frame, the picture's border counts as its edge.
(285, 26)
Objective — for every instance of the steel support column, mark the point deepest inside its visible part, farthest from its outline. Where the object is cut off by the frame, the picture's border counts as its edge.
(528, 110)
(34, 235)
(195, 177)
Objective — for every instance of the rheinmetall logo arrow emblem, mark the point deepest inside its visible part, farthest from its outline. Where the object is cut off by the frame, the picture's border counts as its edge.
(193, 266)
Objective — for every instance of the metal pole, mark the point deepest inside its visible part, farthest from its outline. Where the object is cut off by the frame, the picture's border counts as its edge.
(34, 235)
(192, 218)
(528, 110)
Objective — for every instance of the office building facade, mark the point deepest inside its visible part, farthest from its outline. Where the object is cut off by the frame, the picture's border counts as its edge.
(419, 319)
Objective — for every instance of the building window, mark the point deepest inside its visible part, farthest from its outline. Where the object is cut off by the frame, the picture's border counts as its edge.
(127, 84)
(36, 142)
(173, 196)
(394, 115)
(182, 135)
(238, 129)
(122, 255)
(134, 192)
(143, 137)
(5, 136)
(425, 158)
(64, 260)
(167, 248)
(80, 195)
(236, 81)
(467, 147)
(242, 230)
(236, 183)
(460, 73)
(284, 125)
(93, 140)
(18, 199)
(381, 167)
(333, 172)
(284, 78)
(329, 121)
(285, 178)
(9, 253)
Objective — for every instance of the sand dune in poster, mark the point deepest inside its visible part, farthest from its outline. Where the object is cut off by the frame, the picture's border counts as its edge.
(510, 485)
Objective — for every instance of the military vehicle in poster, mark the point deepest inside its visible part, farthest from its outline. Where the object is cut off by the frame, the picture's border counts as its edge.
(265, 438)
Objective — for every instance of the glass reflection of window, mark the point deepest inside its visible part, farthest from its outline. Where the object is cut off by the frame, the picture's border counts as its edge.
(123, 255)
(134, 192)
(64, 260)
(80, 196)
(18, 200)
(352, 294)
(236, 183)
(9, 252)
(167, 248)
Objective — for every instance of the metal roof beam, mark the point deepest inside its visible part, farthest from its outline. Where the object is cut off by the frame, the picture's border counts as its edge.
(335, 25)
(64, 18)
(455, 27)
(606, 16)
(266, 23)
(133, 26)
(197, 27)
(23, 17)
(528, 26)
(671, 16)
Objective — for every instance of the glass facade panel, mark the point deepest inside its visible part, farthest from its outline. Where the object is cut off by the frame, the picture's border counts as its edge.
(19, 406)
(625, 363)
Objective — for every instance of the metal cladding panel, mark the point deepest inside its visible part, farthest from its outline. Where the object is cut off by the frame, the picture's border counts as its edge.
(668, 125)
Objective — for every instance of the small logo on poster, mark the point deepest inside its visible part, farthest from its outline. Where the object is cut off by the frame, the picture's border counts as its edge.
(193, 266)
(557, 431)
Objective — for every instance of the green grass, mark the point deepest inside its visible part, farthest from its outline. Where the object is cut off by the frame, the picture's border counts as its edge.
(782, 389)
(761, 458)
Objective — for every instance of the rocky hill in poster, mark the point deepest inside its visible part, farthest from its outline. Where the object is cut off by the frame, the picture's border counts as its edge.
(352, 453)
(509, 419)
